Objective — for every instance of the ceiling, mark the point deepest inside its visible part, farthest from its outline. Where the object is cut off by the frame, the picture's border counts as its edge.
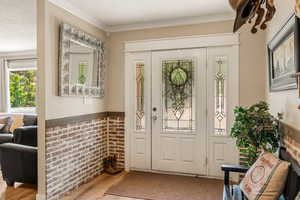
(18, 25)
(118, 15)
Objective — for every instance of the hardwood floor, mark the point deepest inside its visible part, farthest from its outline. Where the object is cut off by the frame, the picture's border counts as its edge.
(21, 192)
(95, 189)
(18, 192)
(111, 197)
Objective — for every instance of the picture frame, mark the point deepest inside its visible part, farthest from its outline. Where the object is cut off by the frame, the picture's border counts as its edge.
(283, 57)
(82, 64)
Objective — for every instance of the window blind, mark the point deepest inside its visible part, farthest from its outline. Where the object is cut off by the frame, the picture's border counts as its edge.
(22, 63)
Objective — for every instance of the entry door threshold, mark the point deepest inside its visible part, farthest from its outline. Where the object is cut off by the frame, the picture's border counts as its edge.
(169, 173)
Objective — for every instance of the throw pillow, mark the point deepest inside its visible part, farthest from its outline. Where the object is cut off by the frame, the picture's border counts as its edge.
(266, 178)
(298, 196)
(7, 121)
(2, 126)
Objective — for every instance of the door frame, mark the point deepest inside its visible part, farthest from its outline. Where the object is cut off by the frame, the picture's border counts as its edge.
(187, 42)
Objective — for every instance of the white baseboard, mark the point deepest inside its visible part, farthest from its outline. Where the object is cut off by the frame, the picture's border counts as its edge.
(40, 197)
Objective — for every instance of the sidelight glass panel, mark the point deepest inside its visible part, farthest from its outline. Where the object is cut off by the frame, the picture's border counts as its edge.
(220, 96)
(178, 95)
(140, 98)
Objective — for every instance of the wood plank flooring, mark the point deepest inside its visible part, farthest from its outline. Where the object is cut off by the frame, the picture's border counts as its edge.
(111, 197)
(95, 189)
(21, 192)
(18, 192)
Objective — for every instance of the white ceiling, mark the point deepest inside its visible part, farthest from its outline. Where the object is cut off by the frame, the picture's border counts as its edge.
(17, 25)
(116, 15)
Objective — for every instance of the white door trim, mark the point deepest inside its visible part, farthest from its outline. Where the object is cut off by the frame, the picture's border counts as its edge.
(186, 42)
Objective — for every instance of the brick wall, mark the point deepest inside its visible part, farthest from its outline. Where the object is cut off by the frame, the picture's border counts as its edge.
(75, 152)
(292, 147)
(291, 140)
(117, 139)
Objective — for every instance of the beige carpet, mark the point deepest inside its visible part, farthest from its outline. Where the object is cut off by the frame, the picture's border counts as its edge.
(151, 186)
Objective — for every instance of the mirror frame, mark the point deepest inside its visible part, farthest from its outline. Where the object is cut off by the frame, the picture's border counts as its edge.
(70, 34)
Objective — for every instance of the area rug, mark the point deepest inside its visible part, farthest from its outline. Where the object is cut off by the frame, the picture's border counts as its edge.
(150, 186)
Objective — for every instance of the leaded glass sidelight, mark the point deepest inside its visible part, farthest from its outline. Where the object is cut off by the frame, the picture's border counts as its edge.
(140, 99)
(220, 96)
(178, 95)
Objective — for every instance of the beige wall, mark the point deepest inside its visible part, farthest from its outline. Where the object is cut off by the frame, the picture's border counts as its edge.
(252, 59)
(51, 106)
(57, 107)
(287, 101)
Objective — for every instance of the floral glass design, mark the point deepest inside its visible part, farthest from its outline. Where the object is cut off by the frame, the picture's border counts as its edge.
(220, 97)
(140, 98)
(178, 95)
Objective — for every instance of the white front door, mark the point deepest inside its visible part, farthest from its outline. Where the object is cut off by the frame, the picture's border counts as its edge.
(179, 111)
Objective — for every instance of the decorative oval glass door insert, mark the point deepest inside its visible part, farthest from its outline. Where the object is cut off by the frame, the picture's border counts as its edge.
(178, 95)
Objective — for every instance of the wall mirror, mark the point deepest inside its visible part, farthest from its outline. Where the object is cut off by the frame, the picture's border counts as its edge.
(81, 64)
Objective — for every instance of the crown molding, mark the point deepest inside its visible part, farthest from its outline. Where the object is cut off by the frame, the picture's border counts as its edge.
(172, 22)
(64, 4)
(79, 13)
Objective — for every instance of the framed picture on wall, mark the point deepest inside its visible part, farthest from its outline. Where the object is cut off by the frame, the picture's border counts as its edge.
(283, 55)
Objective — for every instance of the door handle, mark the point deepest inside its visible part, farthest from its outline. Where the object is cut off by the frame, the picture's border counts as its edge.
(154, 117)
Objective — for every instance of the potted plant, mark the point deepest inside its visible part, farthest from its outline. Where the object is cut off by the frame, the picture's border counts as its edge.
(255, 130)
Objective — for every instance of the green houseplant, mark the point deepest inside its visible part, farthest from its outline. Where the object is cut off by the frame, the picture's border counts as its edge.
(256, 130)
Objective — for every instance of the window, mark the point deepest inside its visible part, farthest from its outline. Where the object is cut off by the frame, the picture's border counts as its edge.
(220, 96)
(178, 95)
(140, 102)
(22, 78)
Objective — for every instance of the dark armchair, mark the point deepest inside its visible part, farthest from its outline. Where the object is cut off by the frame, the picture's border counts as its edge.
(26, 135)
(5, 133)
(19, 159)
(18, 163)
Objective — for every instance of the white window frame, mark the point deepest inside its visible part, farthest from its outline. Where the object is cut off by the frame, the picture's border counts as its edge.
(29, 110)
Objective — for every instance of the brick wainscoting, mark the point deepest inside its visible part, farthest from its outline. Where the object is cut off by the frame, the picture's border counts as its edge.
(116, 145)
(75, 148)
(291, 140)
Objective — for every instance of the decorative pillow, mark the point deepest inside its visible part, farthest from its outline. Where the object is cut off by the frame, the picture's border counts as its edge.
(266, 178)
(298, 196)
(2, 126)
(7, 121)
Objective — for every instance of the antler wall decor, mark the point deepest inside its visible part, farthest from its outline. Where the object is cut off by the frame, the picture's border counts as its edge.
(262, 11)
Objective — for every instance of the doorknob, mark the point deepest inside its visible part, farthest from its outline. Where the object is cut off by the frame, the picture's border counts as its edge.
(154, 117)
